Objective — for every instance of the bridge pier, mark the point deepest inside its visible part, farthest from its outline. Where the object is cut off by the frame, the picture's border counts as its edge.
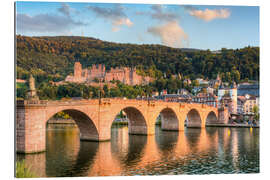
(169, 121)
(223, 115)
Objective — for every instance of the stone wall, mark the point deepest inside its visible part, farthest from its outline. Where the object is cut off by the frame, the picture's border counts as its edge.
(124, 75)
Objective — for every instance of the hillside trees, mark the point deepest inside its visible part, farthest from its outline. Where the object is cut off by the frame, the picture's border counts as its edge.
(56, 55)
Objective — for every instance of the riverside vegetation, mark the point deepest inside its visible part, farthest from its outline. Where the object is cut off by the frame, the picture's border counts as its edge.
(22, 171)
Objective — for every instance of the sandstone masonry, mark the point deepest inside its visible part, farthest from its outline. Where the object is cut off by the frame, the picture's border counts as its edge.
(124, 75)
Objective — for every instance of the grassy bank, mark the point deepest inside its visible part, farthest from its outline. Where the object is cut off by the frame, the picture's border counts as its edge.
(22, 171)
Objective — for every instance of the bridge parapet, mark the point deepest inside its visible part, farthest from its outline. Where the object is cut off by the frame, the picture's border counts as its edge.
(31, 102)
(109, 101)
(73, 102)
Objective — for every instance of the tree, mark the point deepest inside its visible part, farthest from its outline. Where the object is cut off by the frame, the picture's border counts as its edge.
(160, 84)
(21, 90)
(172, 85)
(195, 83)
(228, 77)
(255, 110)
(236, 76)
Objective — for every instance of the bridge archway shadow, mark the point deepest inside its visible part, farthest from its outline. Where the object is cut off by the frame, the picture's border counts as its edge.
(211, 118)
(136, 121)
(87, 128)
(193, 136)
(194, 119)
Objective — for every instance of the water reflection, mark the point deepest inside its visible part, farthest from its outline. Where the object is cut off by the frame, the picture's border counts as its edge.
(85, 158)
(193, 151)
(127, 148)
(63, 146)
(166, 140)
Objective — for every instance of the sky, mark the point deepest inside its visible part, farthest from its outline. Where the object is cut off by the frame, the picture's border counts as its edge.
(178, 26)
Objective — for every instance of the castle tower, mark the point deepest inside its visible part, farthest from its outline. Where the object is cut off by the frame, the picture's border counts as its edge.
(77, 70)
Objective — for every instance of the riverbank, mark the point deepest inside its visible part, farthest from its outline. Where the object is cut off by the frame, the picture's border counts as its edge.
(120, 123)
(61, 121)
(233, 125)
(70, 121)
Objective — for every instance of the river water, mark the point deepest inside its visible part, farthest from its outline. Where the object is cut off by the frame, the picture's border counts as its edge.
(193, 151)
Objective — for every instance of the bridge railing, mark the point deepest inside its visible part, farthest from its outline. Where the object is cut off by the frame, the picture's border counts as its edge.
(151, 102)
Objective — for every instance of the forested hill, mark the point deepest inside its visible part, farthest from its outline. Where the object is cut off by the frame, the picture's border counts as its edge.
(54, 57)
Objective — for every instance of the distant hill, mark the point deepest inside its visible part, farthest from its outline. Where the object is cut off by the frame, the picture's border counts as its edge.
(53, 58)
(191, 50)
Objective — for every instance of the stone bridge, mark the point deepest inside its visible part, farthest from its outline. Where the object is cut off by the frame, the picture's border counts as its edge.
(94, 118)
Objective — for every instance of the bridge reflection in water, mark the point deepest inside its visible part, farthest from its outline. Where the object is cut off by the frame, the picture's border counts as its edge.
(193, 151)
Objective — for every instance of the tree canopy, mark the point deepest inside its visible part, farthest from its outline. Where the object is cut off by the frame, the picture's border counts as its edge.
(53, 58)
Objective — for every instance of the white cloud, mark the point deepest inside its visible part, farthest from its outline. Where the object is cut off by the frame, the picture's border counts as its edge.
(115, 15)
(120, 22)
(171, 34)
(209, 15)
(45, 23)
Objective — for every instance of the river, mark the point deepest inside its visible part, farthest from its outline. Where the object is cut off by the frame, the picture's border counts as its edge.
(193, 151)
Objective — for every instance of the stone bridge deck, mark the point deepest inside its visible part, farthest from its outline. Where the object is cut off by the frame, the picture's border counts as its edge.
(94, 118)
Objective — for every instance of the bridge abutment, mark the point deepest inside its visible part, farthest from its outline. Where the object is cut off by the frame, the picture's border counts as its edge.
(30, 129)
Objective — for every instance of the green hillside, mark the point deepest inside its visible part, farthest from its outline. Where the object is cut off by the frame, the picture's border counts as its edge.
(52, 58)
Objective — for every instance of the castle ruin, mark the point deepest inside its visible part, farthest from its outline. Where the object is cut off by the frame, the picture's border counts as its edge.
(125, 75)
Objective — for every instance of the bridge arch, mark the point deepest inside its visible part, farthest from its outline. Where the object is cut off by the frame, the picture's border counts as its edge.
(194, 118)
(86, 125)
(169, 119)
(211, 118)
(137, 123)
